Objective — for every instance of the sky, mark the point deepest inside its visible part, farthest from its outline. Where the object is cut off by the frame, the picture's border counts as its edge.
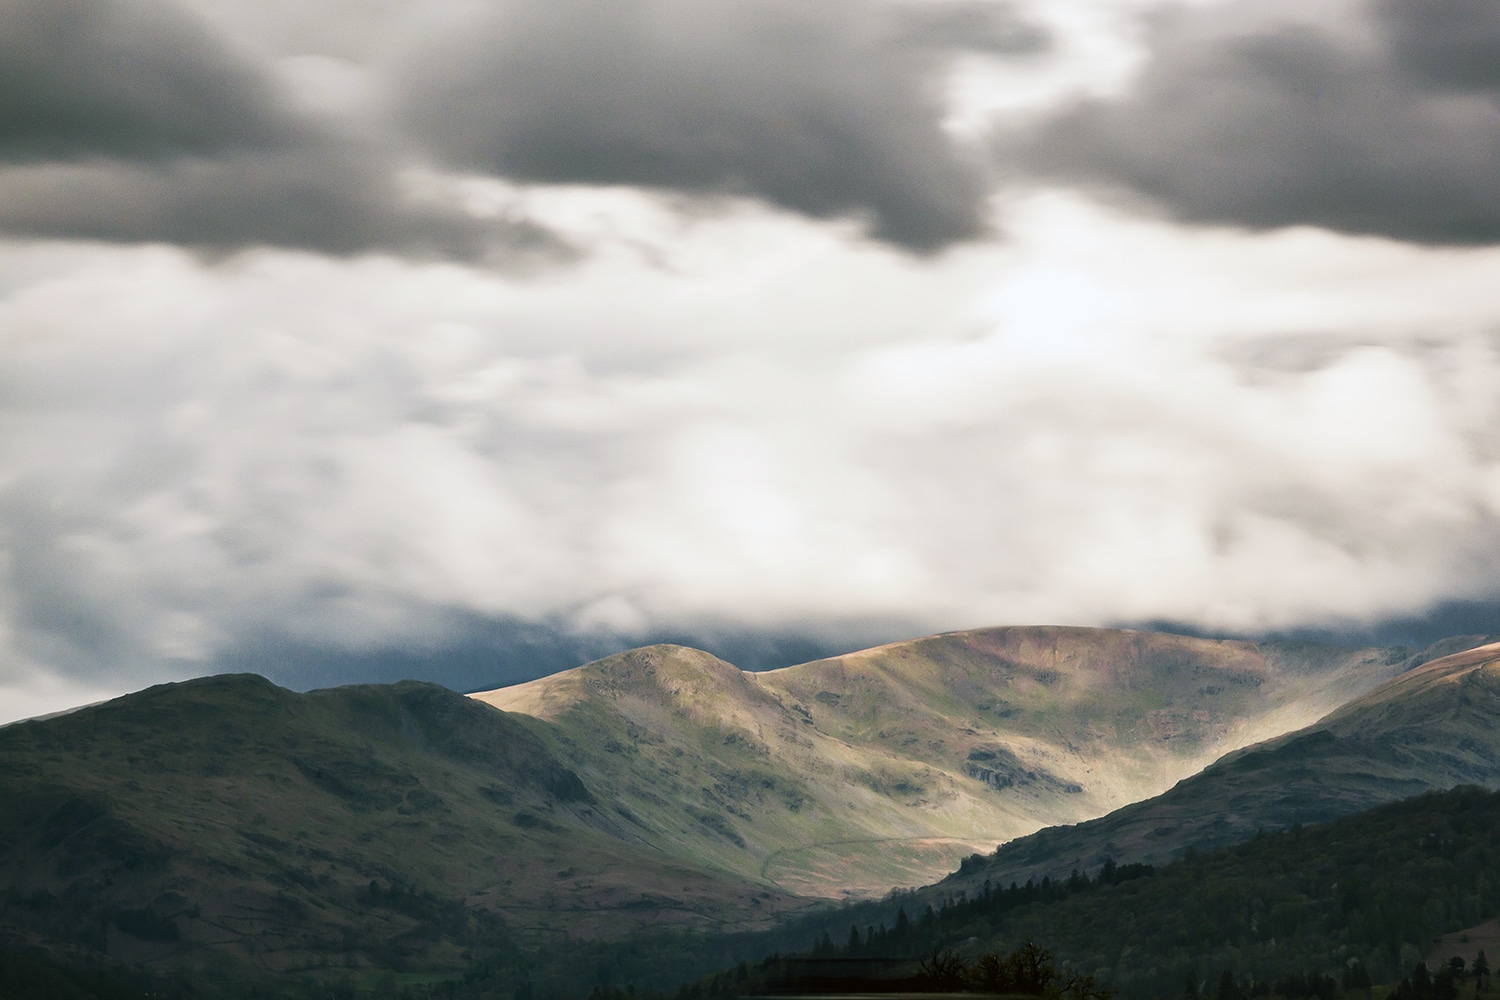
(472, 339)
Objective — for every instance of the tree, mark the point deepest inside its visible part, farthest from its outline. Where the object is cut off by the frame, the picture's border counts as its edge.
(944, 969)
(1357, 977)
(991, 974)
(1081, 987)
(1421, 981)
(1229, 988)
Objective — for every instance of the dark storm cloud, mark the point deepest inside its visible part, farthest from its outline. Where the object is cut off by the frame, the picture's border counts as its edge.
(1243, 119)
(325, 200)
(129, 123)
(89, 78)
(1448, 43)
(827, 109)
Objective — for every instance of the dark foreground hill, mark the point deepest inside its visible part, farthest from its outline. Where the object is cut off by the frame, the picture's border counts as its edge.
(227, 829)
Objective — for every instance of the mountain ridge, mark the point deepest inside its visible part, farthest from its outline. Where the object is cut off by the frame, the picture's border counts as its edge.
(887, 766)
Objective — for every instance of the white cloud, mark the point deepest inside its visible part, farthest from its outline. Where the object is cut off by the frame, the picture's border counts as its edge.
(746, 419)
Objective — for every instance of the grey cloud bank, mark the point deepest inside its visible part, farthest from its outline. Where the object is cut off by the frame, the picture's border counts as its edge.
(130, 122)
(139, 81)
(827, 109)
(134, 123)
(1384, 122)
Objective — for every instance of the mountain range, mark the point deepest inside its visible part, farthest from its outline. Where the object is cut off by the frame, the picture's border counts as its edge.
(229, 829)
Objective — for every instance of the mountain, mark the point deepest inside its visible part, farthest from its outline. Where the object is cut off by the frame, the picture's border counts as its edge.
(228, 827)
(885, 767)
(225, 828)
(1433, 727)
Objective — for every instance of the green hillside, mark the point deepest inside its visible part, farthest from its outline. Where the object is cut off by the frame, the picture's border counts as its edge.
(1433, 727)
(227, 827)
(886, 767)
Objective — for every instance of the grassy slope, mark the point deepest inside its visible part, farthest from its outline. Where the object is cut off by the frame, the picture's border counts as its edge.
(885, 767)
(250, 821)
(1432, 728)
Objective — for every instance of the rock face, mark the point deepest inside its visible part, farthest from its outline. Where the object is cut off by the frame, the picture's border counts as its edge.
(885, 767)
(1434, 727)
(997, 767)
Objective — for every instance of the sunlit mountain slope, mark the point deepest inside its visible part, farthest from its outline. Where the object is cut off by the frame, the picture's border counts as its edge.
(885, 767)
(1434, 727)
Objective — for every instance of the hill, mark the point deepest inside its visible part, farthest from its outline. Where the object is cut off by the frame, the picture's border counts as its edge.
(1434, 727)
(885, 767)
(225, 827)
(1317, 911)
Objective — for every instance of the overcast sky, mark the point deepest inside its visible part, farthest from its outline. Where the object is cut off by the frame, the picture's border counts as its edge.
(470, 339)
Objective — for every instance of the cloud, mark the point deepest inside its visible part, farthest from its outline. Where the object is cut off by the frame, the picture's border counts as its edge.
(829, 109)
(83, 79)
(704, 431)
(129, 122)
(1450, 45)
(967, 25)
(321, 199)
(1384, 122)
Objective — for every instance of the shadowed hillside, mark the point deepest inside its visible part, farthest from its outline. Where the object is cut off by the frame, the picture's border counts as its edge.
(1319, 911)
(226, 823)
